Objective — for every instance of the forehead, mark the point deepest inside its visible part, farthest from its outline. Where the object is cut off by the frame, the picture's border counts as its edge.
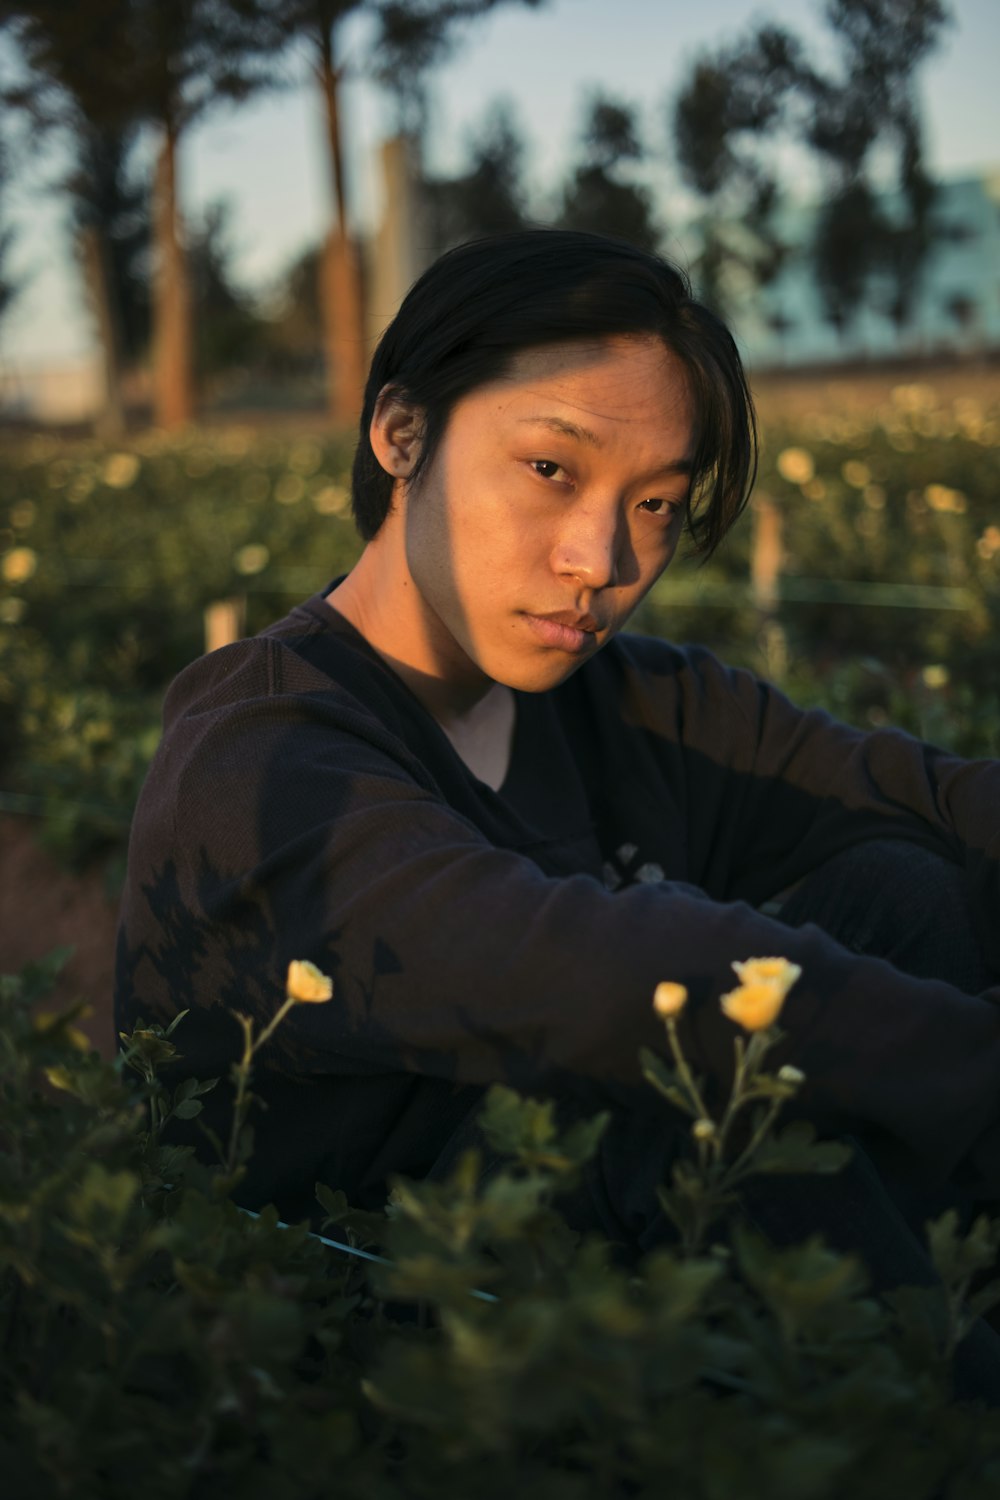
(600, 388)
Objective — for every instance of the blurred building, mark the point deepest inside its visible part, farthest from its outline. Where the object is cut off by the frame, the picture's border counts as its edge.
(69, 391)
(956, 308)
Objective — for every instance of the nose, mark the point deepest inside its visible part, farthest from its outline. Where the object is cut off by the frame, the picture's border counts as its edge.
(587, 547)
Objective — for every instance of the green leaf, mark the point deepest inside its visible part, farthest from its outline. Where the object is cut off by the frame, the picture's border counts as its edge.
(526, 1129)
(188, 1109)
(666, 1081)
(800, 1281)
(103, 1199)
(957, 1257)
(795, 1149)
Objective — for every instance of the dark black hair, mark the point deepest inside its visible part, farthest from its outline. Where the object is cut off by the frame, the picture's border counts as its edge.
(465, 320)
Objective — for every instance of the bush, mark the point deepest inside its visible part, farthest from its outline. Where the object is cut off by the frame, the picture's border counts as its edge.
(159, 1340)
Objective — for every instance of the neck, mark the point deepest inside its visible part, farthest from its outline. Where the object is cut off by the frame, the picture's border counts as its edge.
(382, 602)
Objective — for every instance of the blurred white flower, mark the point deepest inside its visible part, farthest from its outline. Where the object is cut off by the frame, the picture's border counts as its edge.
(289, 489)
(11, 611)
(253, 558)
(856, 474)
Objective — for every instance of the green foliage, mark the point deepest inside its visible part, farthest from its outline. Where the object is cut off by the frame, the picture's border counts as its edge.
(888, 607)
(108, 560)
(155, 1333)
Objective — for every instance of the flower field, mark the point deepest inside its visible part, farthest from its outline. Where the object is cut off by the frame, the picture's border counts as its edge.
(866, 577)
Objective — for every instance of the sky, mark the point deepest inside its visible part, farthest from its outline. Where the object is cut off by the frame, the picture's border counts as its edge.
(267, 159)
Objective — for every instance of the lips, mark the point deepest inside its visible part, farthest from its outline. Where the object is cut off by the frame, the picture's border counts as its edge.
(572, 619)
(565, 629)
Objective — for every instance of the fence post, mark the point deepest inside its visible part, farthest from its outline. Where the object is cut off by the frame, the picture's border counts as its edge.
(768, 554)
(225, 622)
(766, 558)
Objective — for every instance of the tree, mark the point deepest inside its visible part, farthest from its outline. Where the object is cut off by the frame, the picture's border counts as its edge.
(111, 229)
(228, 332)
(736, 100)
(75, 65)
(100, 70)
(870, 106)
(189, 57)
(851, 118)
(409, 39)
(597, 197)
(9, 284)
(489, 197)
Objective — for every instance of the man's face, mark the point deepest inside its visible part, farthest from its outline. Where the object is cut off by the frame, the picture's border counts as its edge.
(555, 500)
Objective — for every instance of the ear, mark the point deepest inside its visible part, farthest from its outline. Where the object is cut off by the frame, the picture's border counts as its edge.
(396, 433)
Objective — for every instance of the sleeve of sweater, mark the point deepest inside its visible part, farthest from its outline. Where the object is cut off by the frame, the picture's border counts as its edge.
(297, 833)
(802, 785)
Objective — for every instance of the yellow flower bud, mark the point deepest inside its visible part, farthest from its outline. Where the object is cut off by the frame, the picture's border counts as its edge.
(669, 999)
(307, 984)
(754, 1006)
(776, 971)
(788, 1074)
(703, 1130)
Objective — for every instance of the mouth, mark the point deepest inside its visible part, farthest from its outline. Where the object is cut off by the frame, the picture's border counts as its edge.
(565, 629)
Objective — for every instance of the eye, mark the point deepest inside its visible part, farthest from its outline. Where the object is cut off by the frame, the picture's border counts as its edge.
(655, 505)
(547, 468)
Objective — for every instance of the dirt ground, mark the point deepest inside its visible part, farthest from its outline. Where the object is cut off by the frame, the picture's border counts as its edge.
(42, 907)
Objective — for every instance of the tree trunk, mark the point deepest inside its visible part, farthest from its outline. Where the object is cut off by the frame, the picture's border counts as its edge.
(173, 393)
(341, 297)
(110, 423)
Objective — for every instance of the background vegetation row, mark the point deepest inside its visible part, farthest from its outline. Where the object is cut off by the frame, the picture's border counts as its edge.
(110, 556)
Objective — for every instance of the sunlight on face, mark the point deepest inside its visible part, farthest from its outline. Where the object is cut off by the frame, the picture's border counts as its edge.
(555, 500)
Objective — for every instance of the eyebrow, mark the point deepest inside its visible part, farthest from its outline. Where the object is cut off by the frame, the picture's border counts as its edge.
(584, 435)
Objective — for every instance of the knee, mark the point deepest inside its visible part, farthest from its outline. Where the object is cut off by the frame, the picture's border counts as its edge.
(900, 901)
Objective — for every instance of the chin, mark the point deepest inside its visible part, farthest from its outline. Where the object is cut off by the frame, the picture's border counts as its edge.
(540, 676)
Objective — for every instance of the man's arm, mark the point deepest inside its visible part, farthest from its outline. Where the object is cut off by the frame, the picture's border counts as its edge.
(457, 959)
(800, 786)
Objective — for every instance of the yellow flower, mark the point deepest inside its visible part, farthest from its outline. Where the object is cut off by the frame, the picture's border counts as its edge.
(796, 465)
(940, 497)
(307, 984)
(754, 1006)
(935, 676)
(777, 971)
(669, 999)
(120, 470)
(19, 565)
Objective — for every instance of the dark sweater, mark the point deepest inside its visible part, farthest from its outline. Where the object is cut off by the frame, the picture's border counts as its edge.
(303, 804)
